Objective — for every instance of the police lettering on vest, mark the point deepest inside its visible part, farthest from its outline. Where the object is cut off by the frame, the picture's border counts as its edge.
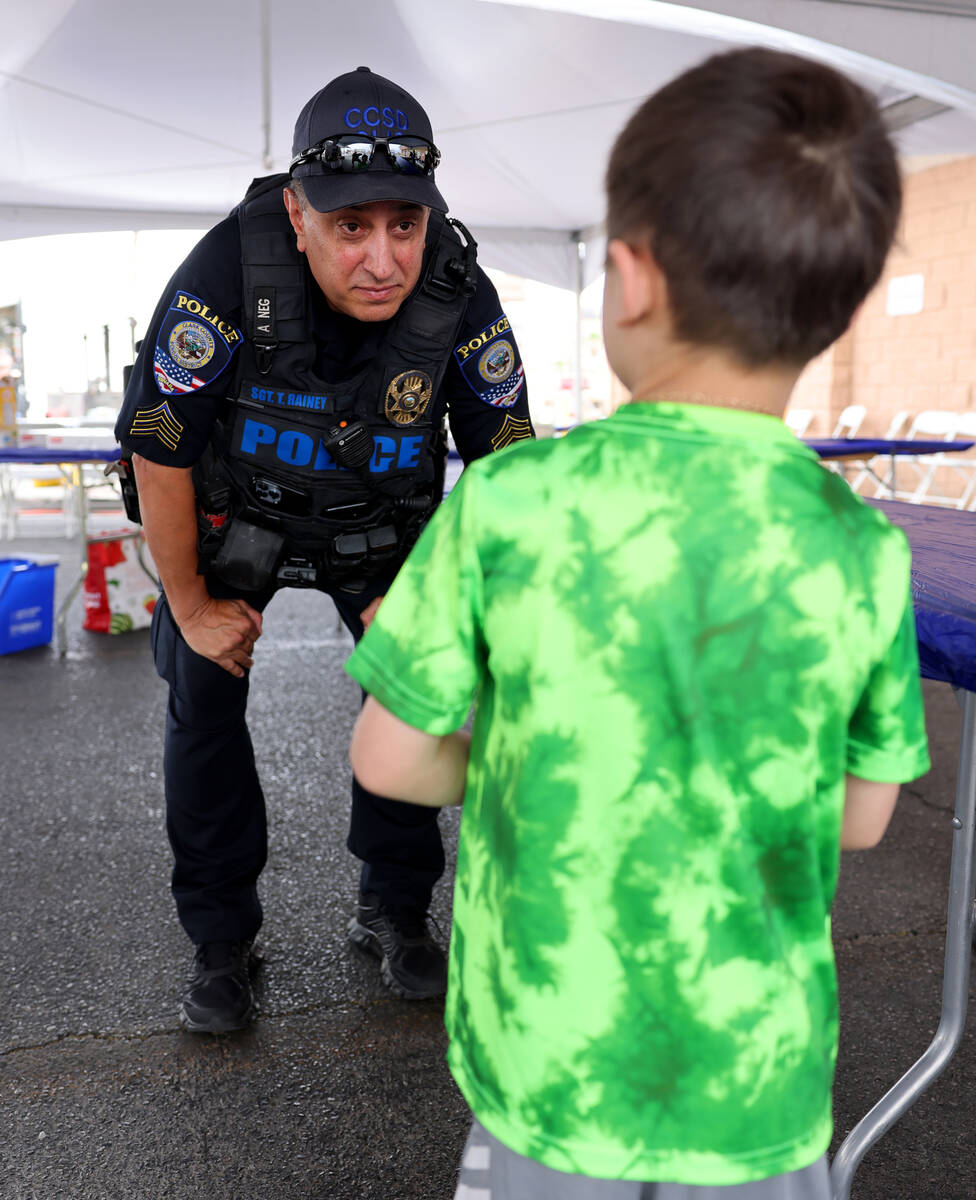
(270, 446)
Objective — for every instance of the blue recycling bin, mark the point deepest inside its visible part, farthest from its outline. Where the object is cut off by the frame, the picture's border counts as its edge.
(26, 604)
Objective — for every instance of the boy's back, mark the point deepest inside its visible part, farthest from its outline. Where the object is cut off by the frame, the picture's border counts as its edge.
(681, 611)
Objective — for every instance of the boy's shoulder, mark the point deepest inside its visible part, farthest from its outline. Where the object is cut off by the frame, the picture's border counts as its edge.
(855, 516)
(525, 461)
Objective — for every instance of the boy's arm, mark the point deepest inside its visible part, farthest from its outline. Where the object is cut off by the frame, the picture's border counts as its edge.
(886, 743)
(391, 758)
(867, 810)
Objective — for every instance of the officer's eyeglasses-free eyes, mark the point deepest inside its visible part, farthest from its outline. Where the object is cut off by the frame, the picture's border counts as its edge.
(340, 152)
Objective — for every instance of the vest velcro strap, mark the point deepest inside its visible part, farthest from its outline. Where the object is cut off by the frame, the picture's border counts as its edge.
(432, 320)
(270, 248)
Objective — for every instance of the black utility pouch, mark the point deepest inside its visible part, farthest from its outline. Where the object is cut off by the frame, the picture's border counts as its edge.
(247, 556)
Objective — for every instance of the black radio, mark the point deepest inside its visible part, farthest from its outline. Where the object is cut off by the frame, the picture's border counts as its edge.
(350, 443)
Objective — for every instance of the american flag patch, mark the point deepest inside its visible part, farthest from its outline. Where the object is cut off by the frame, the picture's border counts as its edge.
(157, 422)
(504, 395)
(171, 377)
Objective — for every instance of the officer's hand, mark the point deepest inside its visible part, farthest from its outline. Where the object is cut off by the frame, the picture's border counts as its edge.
(225, 632)
(369, 612)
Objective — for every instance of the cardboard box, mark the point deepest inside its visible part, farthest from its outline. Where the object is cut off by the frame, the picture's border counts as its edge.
(26, 604)
(8, 416)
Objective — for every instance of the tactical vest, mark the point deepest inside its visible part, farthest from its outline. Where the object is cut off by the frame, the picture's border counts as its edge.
(310, 482)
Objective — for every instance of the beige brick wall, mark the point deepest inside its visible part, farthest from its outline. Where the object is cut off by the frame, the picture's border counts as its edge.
(926, 360)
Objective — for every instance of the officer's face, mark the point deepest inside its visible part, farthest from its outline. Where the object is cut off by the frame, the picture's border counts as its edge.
(366, 258)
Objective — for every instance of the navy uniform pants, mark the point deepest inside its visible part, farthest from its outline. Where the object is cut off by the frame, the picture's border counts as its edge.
(215, 807)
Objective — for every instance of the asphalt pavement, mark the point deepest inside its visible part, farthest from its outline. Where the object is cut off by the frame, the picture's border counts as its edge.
(339, 1090)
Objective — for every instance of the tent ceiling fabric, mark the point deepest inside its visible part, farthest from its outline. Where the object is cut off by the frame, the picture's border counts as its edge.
(117, 115)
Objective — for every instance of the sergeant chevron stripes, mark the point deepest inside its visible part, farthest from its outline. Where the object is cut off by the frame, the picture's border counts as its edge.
(512, 429)
(157, 422)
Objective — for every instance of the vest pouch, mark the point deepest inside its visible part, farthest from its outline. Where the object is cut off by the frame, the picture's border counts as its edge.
(247, 556)
(369, 552)
(383, 540)
(350, 548)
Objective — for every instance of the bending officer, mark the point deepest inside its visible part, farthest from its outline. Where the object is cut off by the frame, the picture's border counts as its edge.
(285, 422)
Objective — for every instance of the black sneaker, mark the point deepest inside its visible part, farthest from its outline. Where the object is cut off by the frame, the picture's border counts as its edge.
(219, 998)
(412, 964)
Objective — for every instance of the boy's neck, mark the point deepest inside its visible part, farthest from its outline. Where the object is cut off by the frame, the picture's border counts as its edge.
(699, 377)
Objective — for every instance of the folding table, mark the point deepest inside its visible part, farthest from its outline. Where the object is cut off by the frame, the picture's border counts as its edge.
(71, 463)
(943, 543)
(864, 449)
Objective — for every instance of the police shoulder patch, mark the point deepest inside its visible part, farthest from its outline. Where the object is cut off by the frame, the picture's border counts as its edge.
(193, 347)
(490, 364)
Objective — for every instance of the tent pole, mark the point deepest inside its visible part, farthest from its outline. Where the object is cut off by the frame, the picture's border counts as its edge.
(266, 81)
(580, 256)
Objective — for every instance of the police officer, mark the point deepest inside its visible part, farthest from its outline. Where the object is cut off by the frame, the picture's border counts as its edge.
(285, 424)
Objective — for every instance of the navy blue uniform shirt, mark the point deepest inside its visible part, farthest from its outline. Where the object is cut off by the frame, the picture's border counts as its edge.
(188, 358)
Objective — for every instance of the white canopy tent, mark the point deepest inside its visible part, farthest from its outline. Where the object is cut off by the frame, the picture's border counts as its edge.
(128, 116)
(121, 115)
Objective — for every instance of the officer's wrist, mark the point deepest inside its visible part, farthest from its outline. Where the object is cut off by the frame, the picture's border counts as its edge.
(187, 600)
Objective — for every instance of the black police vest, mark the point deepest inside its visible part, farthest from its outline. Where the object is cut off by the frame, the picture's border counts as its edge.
(311, 482)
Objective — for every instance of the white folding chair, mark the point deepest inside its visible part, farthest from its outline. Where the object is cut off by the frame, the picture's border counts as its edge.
(870, 468)
(847, 426)
(797, 420)
(931, 424)
(849, 421)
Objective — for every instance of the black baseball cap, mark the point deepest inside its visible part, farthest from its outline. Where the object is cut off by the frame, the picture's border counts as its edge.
(361, 102)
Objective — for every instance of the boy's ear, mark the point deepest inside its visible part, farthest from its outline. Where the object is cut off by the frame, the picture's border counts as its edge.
(643, 289)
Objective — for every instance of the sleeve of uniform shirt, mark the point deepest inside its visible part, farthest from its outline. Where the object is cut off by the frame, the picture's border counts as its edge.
(186, 361)
(886, 737)
(423, 655)
(487, 397)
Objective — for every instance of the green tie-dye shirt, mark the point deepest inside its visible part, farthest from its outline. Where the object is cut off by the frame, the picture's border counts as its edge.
(681, 631)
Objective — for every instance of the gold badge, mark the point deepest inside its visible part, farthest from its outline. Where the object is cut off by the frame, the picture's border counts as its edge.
(407, 397)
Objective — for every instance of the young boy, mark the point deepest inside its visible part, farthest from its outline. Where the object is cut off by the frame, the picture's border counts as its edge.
(695, 669)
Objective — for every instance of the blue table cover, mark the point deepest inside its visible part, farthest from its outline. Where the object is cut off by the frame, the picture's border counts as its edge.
(37, 455)
(943, 543)
(867, 447)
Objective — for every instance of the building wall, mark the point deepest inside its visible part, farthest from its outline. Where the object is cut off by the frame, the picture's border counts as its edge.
(926, 360)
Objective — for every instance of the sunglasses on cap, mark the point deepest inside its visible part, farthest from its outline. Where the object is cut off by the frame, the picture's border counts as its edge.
(355, 152)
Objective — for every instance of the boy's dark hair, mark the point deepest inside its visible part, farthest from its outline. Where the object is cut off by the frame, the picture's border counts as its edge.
(768, 190)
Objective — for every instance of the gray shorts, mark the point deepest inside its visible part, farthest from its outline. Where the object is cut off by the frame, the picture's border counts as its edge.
(490, 1171)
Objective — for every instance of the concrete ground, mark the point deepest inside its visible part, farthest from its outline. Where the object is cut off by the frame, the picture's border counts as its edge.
(339, 1090)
